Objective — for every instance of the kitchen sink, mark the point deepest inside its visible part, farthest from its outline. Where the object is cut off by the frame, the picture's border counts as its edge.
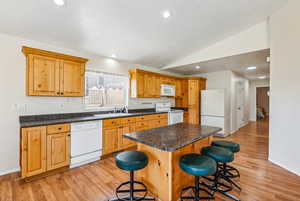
(112, 115)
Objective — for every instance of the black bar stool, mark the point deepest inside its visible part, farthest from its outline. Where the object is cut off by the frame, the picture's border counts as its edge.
(221, 182)
(199, 166)
(131, 161)
(235, 148)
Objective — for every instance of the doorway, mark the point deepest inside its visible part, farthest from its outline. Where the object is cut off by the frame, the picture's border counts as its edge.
(262, 102)
(240, 104)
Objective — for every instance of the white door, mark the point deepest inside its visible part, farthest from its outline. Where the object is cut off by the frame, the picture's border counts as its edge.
(240, 105)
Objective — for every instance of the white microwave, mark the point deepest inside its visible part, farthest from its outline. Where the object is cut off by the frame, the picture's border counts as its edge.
(167, 90)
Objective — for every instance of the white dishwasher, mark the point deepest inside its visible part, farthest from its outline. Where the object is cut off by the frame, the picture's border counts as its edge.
(86, 142)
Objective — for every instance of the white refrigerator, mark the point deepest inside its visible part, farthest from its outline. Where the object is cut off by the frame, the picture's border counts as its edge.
(213, 109)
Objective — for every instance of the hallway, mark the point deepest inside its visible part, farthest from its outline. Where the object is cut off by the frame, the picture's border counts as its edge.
(260, 179)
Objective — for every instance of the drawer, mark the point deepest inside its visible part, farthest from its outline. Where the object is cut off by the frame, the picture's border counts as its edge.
(143, 118)
(157, 116)
(58, 128)
(162, 116)
(163, 122)
(141, 126)
(128, 120)
(158, 123)
(111, 122)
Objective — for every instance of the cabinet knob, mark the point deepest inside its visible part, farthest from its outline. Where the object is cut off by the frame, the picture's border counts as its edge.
(61, 93)
(57, 93)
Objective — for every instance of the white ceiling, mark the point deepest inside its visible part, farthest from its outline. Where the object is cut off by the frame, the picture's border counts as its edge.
(237, 63)
(134, 30)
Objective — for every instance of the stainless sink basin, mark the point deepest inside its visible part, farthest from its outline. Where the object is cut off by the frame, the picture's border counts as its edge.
(112, 115)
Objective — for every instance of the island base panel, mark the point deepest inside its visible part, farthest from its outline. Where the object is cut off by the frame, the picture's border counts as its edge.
(163, 176)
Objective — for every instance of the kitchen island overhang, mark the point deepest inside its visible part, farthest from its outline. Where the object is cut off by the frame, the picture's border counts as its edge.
(164, 147)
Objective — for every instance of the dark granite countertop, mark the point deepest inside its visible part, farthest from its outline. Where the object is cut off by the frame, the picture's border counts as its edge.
(42, 120)
(180, 108)
(173, 137)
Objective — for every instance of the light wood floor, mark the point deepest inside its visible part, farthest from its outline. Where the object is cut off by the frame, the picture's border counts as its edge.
(261, 180)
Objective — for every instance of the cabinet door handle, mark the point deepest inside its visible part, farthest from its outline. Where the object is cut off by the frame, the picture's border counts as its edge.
(57, 93)
(61, 93)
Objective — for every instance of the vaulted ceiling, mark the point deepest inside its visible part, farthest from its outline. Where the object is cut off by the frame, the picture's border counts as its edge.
(238, 63)
(133, 30)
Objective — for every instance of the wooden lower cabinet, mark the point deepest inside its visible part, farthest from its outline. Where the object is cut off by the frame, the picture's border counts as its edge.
(114, 129)
(33, 151)
(58, 150)
(110, 139)
(142, 125)
(124, 142)
(42, 152)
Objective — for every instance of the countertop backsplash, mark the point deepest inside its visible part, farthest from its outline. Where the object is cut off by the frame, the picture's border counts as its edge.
(144, 103)
(49, 105)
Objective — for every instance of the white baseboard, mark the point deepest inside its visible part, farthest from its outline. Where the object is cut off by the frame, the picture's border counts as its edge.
(9, 171)
(232, 132)
(284, 167)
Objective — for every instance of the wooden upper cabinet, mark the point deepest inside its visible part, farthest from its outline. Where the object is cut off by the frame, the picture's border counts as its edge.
(54, 74)
(151, 85)
(43, 76)
(33, 151)
(144, 84)
(72, 82)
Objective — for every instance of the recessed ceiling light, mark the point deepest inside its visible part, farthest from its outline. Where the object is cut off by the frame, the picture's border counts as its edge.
(59, 2)
(251, 68)
(262, 77)
(197, 67)
(113, 56)
(166, 14)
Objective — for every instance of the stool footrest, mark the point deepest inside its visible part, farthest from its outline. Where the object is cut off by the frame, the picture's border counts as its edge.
(136, 198)
(230, 171)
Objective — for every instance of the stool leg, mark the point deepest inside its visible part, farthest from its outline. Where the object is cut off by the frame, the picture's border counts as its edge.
(197, 178)
(228, 178)
(131, 185)
(132, 190)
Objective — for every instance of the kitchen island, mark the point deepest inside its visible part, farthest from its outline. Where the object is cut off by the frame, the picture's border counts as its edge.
(164, 147)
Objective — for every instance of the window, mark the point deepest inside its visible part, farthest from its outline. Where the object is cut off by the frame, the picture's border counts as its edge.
(103, 90)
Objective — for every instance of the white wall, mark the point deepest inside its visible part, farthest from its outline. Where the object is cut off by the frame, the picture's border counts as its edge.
(12, 90)
(220, 80)
(253, 39)
(228, 80)
(253, 85)
(285, 91)
(236, 81)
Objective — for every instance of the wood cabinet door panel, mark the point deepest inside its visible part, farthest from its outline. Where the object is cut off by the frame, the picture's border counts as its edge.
(110, 140)
(193, 101)
(124, 142)
(42, 76)
(141, 126)
(72, 78)
(140, 85)
(58, 151)
(33, 151)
